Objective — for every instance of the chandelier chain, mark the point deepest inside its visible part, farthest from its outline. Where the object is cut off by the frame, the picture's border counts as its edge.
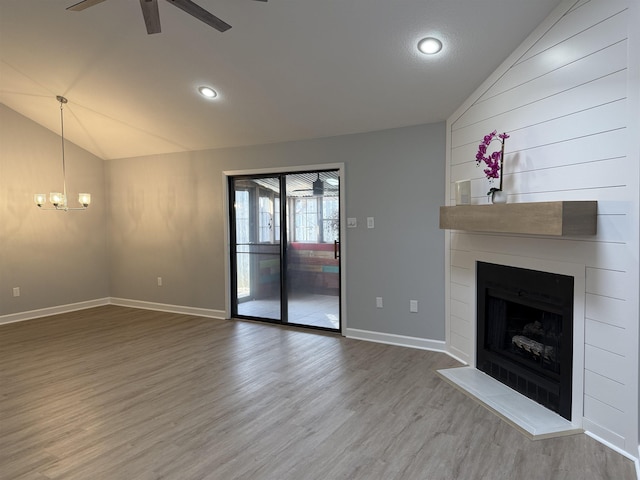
(64, 167)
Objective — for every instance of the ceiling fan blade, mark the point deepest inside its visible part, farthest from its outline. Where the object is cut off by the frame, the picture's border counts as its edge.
(201, 14)
(151, 15)
(83, 4)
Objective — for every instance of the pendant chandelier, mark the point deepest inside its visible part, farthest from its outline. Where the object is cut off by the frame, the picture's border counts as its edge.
(58, 200)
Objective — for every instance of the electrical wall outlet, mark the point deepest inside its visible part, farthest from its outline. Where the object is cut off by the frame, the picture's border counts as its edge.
(159, 281)
(378, 302)
(16, 291)
(370, 222)
(413, 306)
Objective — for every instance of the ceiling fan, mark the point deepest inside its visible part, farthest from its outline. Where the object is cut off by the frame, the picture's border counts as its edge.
(319, 187)
(152, 16)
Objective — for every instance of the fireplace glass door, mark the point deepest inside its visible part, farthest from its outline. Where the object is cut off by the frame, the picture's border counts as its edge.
(525, 324)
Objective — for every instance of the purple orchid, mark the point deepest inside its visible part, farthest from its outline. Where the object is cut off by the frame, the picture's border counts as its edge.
(493, 161)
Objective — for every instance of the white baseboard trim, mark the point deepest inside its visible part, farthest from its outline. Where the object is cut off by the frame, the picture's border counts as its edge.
(453, 354)
(47, 312)
(122, 302)
(588, 425)
(400, 340)
(164, 307)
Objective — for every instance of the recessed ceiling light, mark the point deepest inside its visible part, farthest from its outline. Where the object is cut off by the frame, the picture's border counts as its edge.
(208, 92)
(429, 45)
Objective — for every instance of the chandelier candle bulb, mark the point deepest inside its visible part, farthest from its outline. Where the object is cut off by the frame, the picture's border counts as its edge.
(84, 199)
(56, 198)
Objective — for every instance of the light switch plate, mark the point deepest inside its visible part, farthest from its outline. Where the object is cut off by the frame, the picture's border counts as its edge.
(352, 222)
(370, 222)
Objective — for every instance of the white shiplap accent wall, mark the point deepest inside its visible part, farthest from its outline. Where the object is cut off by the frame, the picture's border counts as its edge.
(569, 99)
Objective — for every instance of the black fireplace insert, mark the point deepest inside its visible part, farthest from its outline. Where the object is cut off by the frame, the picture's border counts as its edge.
(525, 332)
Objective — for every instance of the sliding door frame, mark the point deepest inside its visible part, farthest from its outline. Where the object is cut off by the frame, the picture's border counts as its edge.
(286, 170)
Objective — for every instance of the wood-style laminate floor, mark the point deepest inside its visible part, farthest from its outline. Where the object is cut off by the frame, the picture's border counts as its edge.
(119, 393)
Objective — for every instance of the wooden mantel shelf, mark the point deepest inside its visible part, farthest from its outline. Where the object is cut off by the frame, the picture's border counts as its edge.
(540, 218)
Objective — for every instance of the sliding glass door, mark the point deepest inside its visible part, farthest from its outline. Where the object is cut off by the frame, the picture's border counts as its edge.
(286, 248)
(313, 249)
(257, 255)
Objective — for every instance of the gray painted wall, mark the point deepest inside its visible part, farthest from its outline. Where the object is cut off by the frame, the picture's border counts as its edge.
(163, 216)
(56, 258)
(166, 217)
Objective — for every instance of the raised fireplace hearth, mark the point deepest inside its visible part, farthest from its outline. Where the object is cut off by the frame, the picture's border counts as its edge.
(525, 332)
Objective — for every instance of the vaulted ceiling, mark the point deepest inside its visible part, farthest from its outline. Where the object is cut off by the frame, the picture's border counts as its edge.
(286, 70)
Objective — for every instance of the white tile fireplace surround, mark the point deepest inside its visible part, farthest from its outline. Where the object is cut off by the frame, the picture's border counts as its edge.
(531, 418)
(519, 410)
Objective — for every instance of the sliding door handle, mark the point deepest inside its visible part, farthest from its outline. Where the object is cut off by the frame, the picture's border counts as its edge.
(336, 249)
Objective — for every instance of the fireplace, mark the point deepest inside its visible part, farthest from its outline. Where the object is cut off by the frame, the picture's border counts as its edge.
(525, 332)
